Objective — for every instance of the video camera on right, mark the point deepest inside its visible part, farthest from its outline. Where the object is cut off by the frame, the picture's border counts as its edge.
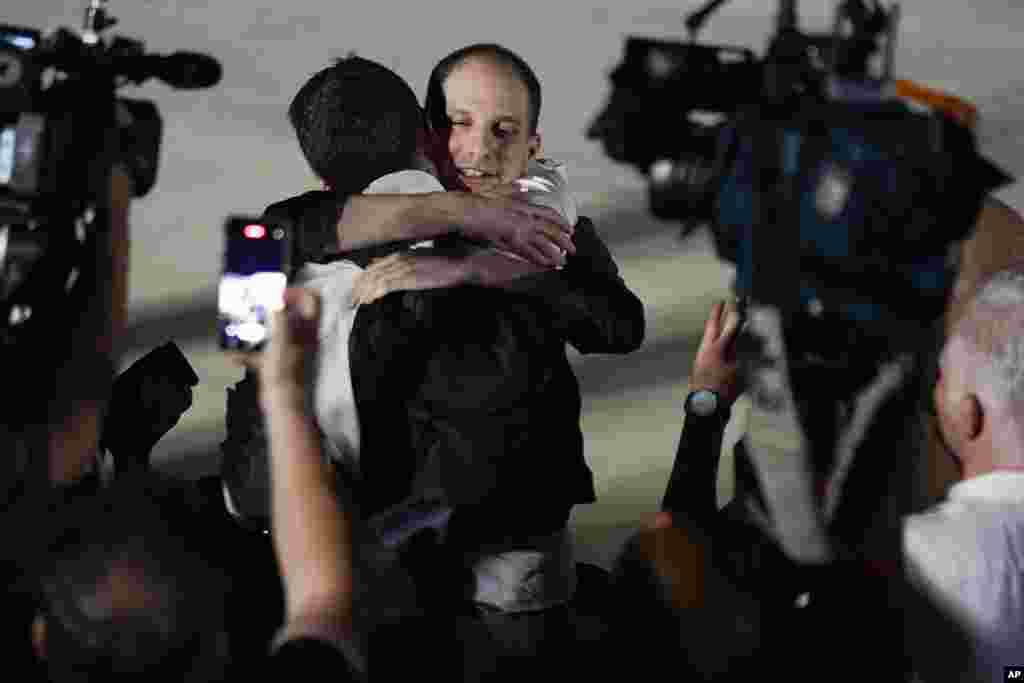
(835, 198)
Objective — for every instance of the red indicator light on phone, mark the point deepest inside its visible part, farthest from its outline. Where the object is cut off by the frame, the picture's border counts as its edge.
(254, 231)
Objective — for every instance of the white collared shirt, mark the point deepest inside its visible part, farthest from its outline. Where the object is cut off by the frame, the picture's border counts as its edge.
(967, 554)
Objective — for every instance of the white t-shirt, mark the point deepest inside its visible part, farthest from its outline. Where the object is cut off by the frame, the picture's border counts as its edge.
(967, 554)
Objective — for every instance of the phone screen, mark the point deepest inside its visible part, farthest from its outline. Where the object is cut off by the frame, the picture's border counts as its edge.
(253, 283)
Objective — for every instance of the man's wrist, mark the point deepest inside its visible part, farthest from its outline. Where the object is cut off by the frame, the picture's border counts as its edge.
(459, 211)
(283, 397)
(707, 401)
(433, 212)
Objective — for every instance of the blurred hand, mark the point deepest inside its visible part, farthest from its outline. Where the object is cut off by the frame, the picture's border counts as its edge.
(536, 233)
(680, 557)
(722, 623)
(715, 366)
(163, 401)
(282, 365)
(408, 272)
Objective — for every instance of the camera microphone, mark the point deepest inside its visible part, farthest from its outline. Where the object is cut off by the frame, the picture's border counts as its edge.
(181, 70)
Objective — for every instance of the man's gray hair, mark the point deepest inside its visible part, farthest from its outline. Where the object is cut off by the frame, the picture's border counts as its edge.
(993, 328)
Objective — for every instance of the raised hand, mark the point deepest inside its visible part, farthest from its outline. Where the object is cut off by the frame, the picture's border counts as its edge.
(715, 366)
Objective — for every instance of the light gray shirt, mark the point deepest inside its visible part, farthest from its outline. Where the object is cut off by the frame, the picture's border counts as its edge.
(967, 554)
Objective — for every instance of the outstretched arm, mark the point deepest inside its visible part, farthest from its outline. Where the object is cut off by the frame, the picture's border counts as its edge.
(691, 486)
(325, 224)
(312, 533)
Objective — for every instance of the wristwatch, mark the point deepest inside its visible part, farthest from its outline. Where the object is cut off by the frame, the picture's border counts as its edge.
(702, 403)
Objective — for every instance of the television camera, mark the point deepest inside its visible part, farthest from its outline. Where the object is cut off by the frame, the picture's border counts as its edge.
(830, 193)
(62, 128)
(840, 204)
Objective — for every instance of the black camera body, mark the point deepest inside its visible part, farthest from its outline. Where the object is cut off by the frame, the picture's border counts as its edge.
(834, 199)
(40, 124)
(62, 129)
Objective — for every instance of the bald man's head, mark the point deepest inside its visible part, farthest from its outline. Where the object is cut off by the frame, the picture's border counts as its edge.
(981, 386)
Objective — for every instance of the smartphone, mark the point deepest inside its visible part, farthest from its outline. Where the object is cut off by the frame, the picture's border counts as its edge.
(256, 263)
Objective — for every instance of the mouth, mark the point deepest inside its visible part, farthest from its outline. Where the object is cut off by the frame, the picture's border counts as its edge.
(473, 176)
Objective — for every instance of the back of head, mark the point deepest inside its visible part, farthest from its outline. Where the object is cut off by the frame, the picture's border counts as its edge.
(356, 121)
(992, 331)
(123, 594)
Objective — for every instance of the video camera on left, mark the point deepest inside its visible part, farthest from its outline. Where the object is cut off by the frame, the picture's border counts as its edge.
(62, 128)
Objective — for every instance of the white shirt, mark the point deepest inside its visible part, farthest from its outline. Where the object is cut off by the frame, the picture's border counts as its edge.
(967, 554)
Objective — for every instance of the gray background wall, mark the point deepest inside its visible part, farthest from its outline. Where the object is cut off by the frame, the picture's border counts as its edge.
(230, 150)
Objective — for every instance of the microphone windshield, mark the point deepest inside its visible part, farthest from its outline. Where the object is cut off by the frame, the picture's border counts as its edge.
(188, 70)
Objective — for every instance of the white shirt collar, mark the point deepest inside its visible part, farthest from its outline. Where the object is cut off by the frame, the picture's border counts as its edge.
(409, 181)
(1001, 485)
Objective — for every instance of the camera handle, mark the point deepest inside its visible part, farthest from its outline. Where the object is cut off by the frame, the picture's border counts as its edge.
(97, 20)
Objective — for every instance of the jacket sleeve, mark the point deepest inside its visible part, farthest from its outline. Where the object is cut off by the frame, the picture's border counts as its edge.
(691, 489)
(588, 299)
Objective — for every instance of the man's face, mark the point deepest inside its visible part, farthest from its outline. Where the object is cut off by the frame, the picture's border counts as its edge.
(489, 109)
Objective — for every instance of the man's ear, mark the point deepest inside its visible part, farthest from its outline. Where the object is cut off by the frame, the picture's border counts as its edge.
(39, 637)
(534, 145)
(970, 417)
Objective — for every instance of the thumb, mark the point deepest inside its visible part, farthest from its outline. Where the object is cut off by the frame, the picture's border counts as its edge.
(299, 321)
(713, 325)
(302, 303)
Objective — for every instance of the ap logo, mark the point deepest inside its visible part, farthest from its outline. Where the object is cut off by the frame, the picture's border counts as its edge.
(1014, 673)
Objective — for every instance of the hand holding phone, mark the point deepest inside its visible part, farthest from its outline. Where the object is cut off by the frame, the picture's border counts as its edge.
(256, 255)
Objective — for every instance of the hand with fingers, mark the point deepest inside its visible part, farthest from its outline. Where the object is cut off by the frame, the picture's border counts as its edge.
(147, 401)
(716, 366)
(410, 271)
(536, 233)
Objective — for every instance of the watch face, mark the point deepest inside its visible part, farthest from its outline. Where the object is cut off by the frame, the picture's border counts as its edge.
(703, 402)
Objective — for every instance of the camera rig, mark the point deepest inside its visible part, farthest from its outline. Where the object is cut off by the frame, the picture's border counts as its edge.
(62, 129)
(840, 206)
(834, 198)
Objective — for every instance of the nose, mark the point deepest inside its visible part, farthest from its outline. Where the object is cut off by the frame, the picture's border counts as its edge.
(473, 147)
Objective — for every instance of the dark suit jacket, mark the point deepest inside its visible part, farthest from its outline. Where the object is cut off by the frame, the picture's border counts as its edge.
(466, 395)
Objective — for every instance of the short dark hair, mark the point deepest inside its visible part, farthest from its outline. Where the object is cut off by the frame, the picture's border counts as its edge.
(136, 533)
(356, 121)
(436, 107)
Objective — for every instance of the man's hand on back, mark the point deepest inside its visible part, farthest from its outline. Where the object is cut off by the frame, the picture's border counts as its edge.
(408, 272)
(536, 233)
